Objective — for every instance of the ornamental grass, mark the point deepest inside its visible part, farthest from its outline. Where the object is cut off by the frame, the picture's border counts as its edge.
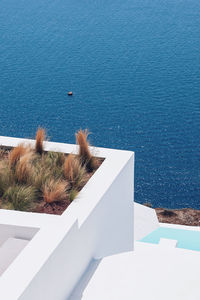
(32, 179)
(84, 150)
(55, 191)
(40, 136)
(74, 171)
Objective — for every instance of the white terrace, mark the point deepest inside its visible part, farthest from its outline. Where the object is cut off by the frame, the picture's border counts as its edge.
(151, 271)
(89, 251)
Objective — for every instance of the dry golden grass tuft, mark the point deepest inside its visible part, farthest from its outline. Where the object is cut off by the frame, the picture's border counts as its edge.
(73, 170)
(55, 191)
(40, 136)
(16, 153)
(84, 152)
(24, 169)
(68, 165)
(81, 139)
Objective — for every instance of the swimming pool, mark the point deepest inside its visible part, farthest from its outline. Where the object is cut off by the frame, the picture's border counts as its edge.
(187, 239)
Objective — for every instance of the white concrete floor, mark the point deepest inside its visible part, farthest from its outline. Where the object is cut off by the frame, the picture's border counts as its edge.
(150, 272)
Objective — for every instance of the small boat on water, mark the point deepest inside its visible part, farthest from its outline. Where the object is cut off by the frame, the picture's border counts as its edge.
(70, 93)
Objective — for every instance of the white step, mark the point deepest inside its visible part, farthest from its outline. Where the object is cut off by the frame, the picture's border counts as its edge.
(168, 242)
(9, 251)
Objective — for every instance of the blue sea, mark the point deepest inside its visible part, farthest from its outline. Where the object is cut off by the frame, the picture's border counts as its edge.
(134, 69)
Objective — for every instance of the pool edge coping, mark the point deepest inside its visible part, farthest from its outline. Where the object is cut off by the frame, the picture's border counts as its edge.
(179, 226)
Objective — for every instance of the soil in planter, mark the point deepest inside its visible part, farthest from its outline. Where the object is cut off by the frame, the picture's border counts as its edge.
(45, 182)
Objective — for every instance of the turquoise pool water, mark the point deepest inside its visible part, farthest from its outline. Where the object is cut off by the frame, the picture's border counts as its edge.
(187, 239)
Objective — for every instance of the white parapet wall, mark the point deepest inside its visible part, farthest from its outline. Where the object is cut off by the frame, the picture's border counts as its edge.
(97, 224)
(145, 221)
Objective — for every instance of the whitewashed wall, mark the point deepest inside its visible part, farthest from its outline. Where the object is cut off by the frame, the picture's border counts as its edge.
(97, 224)
(145, 221)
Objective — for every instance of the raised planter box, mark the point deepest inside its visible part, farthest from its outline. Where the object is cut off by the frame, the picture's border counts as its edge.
(99, 222)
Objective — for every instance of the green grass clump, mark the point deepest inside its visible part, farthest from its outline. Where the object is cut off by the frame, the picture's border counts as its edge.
(19, 197)
(39, 177)
(72, 195)
(53, 163)
(55, 158)
(7, 177)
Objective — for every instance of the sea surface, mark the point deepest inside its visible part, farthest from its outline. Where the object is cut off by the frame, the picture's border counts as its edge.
(134, 69)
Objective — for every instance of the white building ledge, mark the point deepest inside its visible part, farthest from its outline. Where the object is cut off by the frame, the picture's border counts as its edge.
(168, 243)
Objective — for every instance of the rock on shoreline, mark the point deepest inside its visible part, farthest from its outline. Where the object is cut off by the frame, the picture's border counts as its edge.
(185, 216)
